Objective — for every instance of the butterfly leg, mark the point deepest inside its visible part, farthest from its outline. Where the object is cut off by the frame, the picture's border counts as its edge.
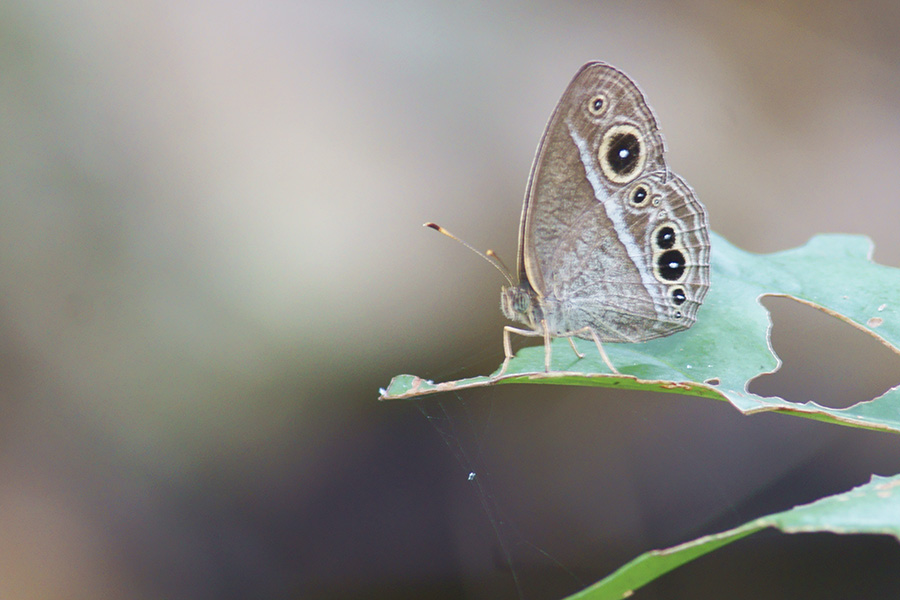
(602, 351)
(574, 348)
(603, 354)
(507, 345)
(547, 347)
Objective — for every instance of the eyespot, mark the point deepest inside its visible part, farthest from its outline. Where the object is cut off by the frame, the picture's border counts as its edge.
(665, 237)
(597, 105)
(671, 265)
(622, 153)
(639, 195)
(677, 295)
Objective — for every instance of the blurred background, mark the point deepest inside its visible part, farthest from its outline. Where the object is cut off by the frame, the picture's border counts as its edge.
(212, 258)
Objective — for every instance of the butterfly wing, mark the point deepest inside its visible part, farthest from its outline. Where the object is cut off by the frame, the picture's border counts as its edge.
(609, 238)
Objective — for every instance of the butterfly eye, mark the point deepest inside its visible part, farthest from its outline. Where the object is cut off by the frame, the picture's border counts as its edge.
(597, 105)
(521, 303)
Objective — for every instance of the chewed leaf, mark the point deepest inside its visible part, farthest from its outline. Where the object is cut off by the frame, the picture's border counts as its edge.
(729, 345)
(869, 508)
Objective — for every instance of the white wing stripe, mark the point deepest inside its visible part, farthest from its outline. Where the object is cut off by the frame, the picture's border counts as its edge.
(614, 212)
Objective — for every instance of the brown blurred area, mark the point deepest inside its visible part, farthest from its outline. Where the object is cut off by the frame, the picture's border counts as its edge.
(212, 257)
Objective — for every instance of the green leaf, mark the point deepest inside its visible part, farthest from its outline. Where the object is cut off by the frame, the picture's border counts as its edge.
(870, 508)
(729, 344)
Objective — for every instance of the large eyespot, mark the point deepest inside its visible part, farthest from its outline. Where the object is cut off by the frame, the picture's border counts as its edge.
(622, 153)
(597, 105)
(670, 266)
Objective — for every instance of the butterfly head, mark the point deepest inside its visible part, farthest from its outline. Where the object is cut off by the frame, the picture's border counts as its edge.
(520, 303)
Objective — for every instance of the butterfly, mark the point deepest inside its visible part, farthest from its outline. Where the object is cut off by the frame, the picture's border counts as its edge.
(613, 247)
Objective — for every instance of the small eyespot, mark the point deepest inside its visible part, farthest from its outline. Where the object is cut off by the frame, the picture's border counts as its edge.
(597, 105)
(678, 315)
(678, 296)
(639, 195)
(665, 237)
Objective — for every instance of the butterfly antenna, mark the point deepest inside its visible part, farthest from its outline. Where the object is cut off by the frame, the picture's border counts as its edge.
(493, 255)
(489, 256)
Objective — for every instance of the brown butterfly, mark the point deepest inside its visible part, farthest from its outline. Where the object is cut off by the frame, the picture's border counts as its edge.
(613, 247)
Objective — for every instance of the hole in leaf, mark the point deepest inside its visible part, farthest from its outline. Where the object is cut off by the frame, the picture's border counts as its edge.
(825, 359)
